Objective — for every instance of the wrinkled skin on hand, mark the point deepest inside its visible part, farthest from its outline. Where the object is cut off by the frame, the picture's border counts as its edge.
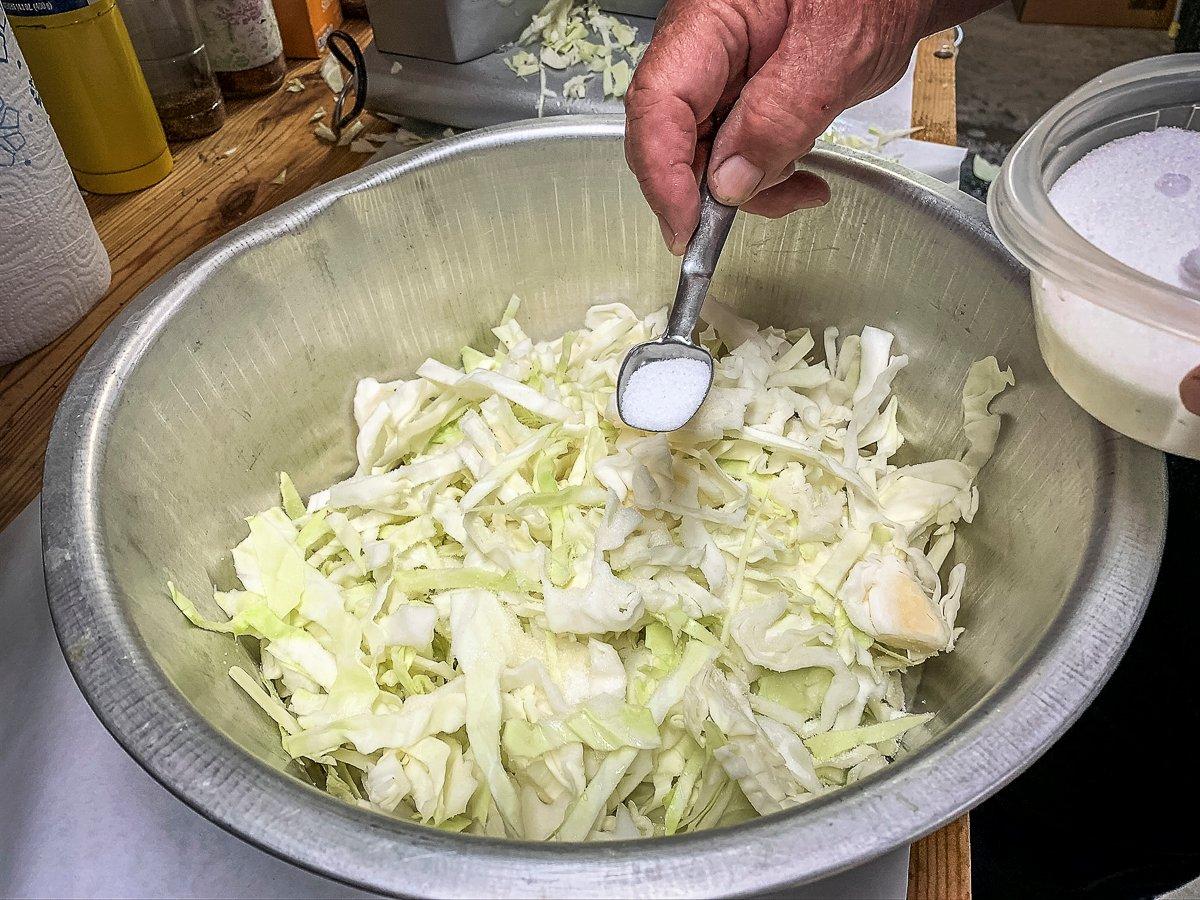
(783, 69)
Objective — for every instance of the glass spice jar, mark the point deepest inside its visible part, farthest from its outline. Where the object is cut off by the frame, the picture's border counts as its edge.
(166, 36)
(244, 45)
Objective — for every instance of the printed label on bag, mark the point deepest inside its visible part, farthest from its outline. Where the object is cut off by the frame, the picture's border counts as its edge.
(43, 7)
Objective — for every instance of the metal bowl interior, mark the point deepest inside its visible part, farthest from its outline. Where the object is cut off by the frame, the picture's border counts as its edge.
(241, 363)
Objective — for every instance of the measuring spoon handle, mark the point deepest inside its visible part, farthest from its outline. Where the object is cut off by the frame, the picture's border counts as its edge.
(699, 263)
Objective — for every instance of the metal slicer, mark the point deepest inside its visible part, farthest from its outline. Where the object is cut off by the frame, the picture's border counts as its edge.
(450, 56)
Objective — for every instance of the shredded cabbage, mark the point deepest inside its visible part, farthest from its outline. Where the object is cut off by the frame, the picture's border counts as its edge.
(569, 33)
(521, 618)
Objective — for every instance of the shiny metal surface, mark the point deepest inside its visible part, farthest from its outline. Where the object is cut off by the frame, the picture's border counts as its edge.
(480, 92)
(241, 362)
(468, 95)
(647, 8)
(699, 266)
(696, 272)
(450, 31)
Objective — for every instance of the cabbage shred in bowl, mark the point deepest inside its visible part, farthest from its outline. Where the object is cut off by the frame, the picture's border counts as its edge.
(522, 618)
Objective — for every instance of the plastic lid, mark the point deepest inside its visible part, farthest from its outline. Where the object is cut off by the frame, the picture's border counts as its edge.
(1137, 97)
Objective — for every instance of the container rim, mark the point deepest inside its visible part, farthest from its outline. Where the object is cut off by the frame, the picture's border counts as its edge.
(988, 746)
(1035, 232)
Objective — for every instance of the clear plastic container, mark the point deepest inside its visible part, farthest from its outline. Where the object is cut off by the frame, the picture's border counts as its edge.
(1119, 342)
(166, 36)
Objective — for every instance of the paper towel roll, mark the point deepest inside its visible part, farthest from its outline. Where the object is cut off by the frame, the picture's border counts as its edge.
(52, 264)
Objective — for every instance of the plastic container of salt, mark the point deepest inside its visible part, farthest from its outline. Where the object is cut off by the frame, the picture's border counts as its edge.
(1101, 200)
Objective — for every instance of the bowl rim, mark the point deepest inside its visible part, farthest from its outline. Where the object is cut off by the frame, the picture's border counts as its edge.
(155, 723)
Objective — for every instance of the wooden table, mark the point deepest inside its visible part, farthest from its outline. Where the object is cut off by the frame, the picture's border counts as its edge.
(226, 179)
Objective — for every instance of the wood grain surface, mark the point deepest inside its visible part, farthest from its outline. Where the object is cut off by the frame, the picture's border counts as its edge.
(939, 866)
(226, 179)
(934, 99)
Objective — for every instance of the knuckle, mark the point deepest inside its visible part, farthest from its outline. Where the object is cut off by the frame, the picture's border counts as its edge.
(767, 113)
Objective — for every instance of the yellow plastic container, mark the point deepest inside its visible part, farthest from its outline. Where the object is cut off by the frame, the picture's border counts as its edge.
(91, 84)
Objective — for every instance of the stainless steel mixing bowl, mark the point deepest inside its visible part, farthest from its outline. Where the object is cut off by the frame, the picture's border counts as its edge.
(241, 363)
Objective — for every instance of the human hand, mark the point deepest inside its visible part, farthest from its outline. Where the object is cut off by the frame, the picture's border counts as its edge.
(784, 69)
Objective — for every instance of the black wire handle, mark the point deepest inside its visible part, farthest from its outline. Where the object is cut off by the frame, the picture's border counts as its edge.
(347, 52)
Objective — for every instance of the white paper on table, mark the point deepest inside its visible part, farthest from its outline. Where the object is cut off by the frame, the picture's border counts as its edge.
(892, 111)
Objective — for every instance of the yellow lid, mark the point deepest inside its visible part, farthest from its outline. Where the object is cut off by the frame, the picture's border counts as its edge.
(130, 180)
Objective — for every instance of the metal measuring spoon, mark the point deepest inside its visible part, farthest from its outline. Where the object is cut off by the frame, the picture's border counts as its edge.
(695, 274)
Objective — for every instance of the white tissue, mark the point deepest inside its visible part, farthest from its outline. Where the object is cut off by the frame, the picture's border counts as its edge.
(52, 264)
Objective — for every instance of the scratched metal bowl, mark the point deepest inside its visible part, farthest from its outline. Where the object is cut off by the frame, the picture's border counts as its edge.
(241, 363)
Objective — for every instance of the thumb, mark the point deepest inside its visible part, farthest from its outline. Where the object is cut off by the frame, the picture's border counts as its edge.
(1189, 391)
(781, 112)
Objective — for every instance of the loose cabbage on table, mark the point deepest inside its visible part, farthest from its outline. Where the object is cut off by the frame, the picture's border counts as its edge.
(519, 617)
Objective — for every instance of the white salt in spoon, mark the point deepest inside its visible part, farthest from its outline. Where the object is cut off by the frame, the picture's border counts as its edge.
(663, 382)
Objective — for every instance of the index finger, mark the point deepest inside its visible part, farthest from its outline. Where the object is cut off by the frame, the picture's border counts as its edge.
(676, 86)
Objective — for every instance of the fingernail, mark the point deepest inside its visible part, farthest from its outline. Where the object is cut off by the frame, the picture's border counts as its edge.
(669, 237)
(735, 180)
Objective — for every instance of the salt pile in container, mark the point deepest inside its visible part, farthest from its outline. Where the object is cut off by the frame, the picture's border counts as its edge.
(664, 394)
(1138, 199)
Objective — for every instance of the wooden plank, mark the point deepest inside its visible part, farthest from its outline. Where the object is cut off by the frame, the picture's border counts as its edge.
(934, 102)
(939, 865)
(149, 232)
